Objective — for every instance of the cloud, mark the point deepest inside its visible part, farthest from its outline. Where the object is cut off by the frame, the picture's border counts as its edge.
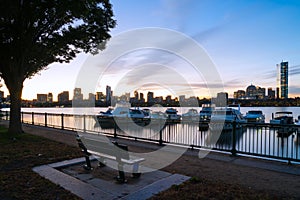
(294, 70)
(294, 90)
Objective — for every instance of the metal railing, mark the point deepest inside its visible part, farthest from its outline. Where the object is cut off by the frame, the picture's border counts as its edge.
(281, 142)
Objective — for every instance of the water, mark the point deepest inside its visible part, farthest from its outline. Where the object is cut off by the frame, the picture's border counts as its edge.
(266, 110)
(262, 141)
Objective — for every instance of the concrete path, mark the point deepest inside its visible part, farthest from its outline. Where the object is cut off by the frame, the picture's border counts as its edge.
(88, 186)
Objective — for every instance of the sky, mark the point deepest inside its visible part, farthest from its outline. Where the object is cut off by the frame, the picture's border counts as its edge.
(244, 39)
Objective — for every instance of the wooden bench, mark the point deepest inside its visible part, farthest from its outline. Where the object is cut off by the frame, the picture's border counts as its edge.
(104, 149)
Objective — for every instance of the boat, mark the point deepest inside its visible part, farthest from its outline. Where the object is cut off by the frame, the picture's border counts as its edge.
(107, 119)
(173, 117)
(226, 117)
(123, 115)
(191, 115)
(255, 116)
(205, 115)
(297, 121)
(282, 120)
(138, 116)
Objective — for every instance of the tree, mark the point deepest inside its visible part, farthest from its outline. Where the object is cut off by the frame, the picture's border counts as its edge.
(36, 33)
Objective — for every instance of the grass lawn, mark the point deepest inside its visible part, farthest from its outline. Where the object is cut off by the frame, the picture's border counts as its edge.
(18, 154)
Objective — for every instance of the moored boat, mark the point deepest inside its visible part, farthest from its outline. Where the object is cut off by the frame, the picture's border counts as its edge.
(205, 115)
(226, 117)
(191, 115)
(283, 121)
(173, 117)
(255, 116)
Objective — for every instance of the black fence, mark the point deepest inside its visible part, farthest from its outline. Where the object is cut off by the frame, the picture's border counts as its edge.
(281, 142)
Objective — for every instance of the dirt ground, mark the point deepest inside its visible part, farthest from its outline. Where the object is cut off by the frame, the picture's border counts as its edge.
(279, 184)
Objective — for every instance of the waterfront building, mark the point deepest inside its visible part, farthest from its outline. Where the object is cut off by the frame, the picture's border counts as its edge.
(282, 80)
(63, 97)
(150, 97)
(182, 98)
(240, 94)
(77, 95)
(142, 99)
(222, 99)
(41, 98)
(251, 92)
(99, 96)
(271, 93)
(50, 97)
(108, 95)
(261, 92)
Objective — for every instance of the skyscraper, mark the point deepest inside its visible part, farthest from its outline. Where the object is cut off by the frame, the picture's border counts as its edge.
(108, 95)
(282, 80)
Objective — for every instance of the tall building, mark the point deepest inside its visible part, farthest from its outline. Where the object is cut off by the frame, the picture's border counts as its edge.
(63, 97)
(282, 80)
(251, 92)
(240, 94)
(50, 97)
(77, 96)
(150, 97)
(271, 93)
(222, 99)
(99, 96)
(108, 95)
(41, 98)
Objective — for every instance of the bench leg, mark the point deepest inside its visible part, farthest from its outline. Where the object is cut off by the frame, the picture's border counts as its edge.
(88, 165)
(135, 170)
(102, 162)
(121, 177)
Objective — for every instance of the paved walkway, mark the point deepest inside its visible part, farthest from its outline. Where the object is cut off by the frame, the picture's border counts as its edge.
(272, 176)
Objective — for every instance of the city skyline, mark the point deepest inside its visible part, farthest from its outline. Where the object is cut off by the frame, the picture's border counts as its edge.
(250, 92)
(245, 40)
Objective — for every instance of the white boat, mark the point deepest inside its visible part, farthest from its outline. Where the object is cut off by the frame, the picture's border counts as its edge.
(191, 115)
(122, 113)
(283, 120)
(205, 115)
(226, 117)
(173, 117)
(255, 116)
(282, 117)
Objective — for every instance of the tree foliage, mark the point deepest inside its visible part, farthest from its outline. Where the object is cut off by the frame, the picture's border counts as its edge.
(36, 33)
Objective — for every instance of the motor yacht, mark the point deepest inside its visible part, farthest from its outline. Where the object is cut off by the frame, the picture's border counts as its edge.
(173, 117)
(282, 120)
(226, 117)
(255, 116)
(191, 115)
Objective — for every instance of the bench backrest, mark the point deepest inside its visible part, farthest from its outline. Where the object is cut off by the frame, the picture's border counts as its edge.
(104, 146)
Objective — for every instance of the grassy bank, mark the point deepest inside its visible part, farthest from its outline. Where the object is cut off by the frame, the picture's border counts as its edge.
(18, 154)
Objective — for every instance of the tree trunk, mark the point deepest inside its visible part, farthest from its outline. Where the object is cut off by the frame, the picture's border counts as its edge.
(15, 90)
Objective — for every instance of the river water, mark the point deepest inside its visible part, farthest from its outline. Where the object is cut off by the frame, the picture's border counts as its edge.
(262, 140)
(91, 111)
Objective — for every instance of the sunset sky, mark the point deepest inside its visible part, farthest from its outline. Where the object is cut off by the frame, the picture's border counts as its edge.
(244, 39)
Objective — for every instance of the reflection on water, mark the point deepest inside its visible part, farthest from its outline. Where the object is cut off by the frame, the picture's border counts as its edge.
(256, 140)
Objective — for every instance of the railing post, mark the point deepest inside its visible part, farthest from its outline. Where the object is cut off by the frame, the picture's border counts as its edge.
(233, 150)
(84, 124)
(160, 137)
(45, 119)
(22, 117)
(115, 129)
(32, 118)
(6, 115)
(62, 121)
